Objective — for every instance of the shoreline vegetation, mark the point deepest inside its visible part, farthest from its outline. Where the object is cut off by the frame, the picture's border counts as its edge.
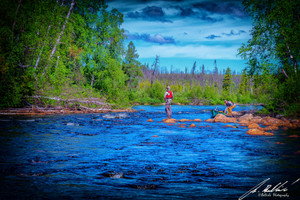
(71, 56)
(79, 109)
(257, 124)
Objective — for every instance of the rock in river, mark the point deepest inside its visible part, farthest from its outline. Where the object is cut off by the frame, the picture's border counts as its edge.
(224, 119)
(258, 132)
(169, 120)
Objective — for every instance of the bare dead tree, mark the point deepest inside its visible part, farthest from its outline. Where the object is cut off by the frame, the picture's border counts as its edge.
(155, 68)
(61, 33)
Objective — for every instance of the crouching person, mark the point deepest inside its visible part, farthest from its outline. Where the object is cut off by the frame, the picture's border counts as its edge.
(229, 106)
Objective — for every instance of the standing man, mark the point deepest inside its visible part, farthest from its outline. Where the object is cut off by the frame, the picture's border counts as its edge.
(229, 106)
(168, 99)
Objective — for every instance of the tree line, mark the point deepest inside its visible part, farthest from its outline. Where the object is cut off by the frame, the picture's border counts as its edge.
(75, 49)
(196, 86)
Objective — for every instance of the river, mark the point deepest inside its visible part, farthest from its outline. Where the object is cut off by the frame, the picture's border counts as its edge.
(122, 156)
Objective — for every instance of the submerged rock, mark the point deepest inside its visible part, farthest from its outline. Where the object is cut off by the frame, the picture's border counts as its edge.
(279, 143)
(185, 120)
(293, 136)
(109, 116)
(230, 126)
(114, 175)
(192, 125)
(150, 120)
(70, 124)
(197, 120)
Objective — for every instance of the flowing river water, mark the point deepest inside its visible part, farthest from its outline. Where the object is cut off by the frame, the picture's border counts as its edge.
(122, 156)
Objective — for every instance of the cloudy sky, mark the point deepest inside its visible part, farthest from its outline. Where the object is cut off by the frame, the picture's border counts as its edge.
(182, 32)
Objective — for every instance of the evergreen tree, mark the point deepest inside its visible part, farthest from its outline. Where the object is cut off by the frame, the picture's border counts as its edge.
(244, 83)
(227, 80)
(131, 66)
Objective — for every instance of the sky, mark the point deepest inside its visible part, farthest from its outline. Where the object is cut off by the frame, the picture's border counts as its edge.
(183, 32)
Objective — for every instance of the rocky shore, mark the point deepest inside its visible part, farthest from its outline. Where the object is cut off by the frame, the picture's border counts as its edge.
(58, 110)
(257, 125)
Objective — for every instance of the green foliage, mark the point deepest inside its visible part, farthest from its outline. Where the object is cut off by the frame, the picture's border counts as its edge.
(273, 52)
(244, 84)
(227, 80)
(49, 44)
(131, 66)
(76, 50)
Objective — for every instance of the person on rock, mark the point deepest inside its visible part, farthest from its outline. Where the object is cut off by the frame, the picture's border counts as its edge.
(168, 99)
(229, 106)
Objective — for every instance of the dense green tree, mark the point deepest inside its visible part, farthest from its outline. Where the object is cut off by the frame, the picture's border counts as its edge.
(274, 48)
(131, 66)
(227, 80)
(51, 44)
(274, 43)
(244, 83)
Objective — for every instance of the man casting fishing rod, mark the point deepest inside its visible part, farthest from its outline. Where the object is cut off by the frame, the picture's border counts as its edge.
(168, 99)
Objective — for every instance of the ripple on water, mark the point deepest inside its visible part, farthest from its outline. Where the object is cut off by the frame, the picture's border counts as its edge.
(115, 156)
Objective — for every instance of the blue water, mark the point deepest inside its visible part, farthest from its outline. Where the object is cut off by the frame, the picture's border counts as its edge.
(122, 156)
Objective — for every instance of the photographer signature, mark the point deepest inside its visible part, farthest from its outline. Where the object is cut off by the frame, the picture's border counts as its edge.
(280, 187)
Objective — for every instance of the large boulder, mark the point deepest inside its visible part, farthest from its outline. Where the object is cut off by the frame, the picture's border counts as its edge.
(256, 119)
(169, 120)
(235, 113)
(253, 126)
(270, 128)
(150, 120)
(258, 132)
(270, 121)
(222, 118)
(245, 119)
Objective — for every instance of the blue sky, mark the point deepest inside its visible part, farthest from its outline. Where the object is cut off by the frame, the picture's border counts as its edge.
(182, 32)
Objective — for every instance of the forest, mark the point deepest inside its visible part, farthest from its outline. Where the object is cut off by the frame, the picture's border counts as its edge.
(67, 49)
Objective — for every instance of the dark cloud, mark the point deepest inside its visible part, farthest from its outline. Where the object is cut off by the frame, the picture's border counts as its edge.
(199, 14)
(212, 37)
(233, 33)
(186, 12)
(151, 13)
(148, 38)
(207, 18)
(227, 8)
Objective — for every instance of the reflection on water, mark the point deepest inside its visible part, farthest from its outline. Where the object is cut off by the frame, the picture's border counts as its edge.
(121, 156)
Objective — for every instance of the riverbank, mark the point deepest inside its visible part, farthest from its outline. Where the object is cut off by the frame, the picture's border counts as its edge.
(58, 110)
